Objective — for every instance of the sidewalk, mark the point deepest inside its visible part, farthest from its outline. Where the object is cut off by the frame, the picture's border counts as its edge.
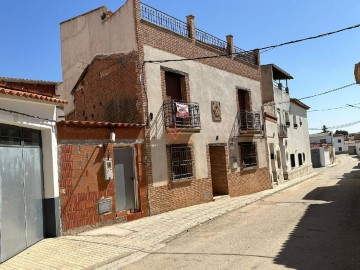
(115, 246)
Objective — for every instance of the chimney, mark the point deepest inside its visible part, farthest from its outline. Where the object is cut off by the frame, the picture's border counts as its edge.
(190, 21)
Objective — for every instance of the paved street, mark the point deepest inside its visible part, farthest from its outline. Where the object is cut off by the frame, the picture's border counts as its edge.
(305, 223)
(314, 225)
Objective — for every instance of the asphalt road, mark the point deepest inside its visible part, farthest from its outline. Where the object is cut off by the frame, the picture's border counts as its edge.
(314, 225)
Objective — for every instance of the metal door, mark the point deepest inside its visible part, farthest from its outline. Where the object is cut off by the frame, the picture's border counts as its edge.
(125, 182)
(315, 158)
(21, 215)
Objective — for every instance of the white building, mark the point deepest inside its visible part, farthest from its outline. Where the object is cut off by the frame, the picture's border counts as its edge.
(29, 190)
(286, 127)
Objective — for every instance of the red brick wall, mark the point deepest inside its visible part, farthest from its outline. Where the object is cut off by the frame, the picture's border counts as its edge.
(82, 182)
(110, 91)
(168, 41)
(249, 181)
(42, 89)
(178, 195)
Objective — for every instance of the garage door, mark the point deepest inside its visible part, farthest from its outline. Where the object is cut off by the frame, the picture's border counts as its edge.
(21, 214)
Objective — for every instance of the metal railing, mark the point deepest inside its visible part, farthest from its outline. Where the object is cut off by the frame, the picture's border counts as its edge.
(180, 114)
(168, 22)
(163, 20)
(283, 131)
(247, 56)
(210, 40)
(281, 87)
(249, 121)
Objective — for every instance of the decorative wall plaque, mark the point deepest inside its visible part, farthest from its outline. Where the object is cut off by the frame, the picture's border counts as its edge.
(216, 111)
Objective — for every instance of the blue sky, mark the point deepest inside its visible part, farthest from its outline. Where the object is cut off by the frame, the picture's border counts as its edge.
(30, 41)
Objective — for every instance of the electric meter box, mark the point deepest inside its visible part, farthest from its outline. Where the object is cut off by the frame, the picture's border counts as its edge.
(108, 169)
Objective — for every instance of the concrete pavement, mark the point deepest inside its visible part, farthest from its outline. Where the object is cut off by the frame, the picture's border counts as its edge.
(125, 243)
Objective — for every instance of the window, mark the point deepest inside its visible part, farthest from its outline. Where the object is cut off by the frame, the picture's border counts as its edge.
(292, 160)
(294, 120)
(181, 161)
(248, 154)
(304, 157)
(300, 159)
(339, 140)
(340, 148)
(323, 140)
(175, 85)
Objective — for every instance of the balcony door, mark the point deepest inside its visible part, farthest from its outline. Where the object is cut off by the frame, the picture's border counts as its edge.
(244, 100)
(175, 84)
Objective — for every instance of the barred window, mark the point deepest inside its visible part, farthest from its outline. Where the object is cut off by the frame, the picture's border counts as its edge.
(181, 161)
(248, 154)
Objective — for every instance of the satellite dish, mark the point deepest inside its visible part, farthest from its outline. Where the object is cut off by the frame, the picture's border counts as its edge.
(357, 73)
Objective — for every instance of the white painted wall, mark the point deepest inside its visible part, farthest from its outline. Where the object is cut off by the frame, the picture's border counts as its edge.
(85, 36)
(338, 142)
(318, 137)
(48, 129)
(206, 84)
(298, 138)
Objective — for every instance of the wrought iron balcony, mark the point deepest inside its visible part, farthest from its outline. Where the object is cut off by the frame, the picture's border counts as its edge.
(283, 131)
(249, 122)
(182, 115)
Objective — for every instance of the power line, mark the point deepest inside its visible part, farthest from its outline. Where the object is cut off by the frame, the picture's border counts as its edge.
(271, 103)
(326, 92)
(27, 115)
(339, 126)
(336, 108)
(264, 49)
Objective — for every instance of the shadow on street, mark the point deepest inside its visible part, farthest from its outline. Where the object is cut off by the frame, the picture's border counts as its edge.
(328, 235)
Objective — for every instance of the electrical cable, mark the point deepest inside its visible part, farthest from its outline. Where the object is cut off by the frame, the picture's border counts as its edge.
(267, 48)
(27, 115)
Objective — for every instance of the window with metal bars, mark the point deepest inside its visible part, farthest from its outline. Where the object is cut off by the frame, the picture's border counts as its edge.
(181, 161)
(248, 154)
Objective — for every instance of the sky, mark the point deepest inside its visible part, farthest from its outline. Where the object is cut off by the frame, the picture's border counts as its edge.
(30, 42)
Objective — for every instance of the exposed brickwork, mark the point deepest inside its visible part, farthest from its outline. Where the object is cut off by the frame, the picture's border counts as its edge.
(42, 89)
(168, 41)
(108, 91)
(178, 195)
(249, 181)
(82, 182)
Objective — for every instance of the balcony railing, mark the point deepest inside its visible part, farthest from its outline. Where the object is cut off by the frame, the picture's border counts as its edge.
(249, 121)
(180, 114)
(210, 40)
(281, 87)
(283, 132)
(163, 20)
(248, 56)
(179, 27)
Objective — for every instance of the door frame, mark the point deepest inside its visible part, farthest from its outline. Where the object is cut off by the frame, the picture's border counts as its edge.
(136, 184)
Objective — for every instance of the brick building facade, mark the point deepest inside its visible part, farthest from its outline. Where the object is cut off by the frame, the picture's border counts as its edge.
(189, 107)
(83, 147)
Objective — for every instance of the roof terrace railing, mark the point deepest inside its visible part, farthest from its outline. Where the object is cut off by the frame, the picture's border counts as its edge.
(210, 40)
(168, 22)
(163, 20)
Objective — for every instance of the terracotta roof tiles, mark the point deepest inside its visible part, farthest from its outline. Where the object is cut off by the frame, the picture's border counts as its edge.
(12, 92)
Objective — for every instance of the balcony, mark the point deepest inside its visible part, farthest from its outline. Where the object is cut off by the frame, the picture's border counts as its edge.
(182, 116)
(249, 122)
(281, 87)
(283, 132)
